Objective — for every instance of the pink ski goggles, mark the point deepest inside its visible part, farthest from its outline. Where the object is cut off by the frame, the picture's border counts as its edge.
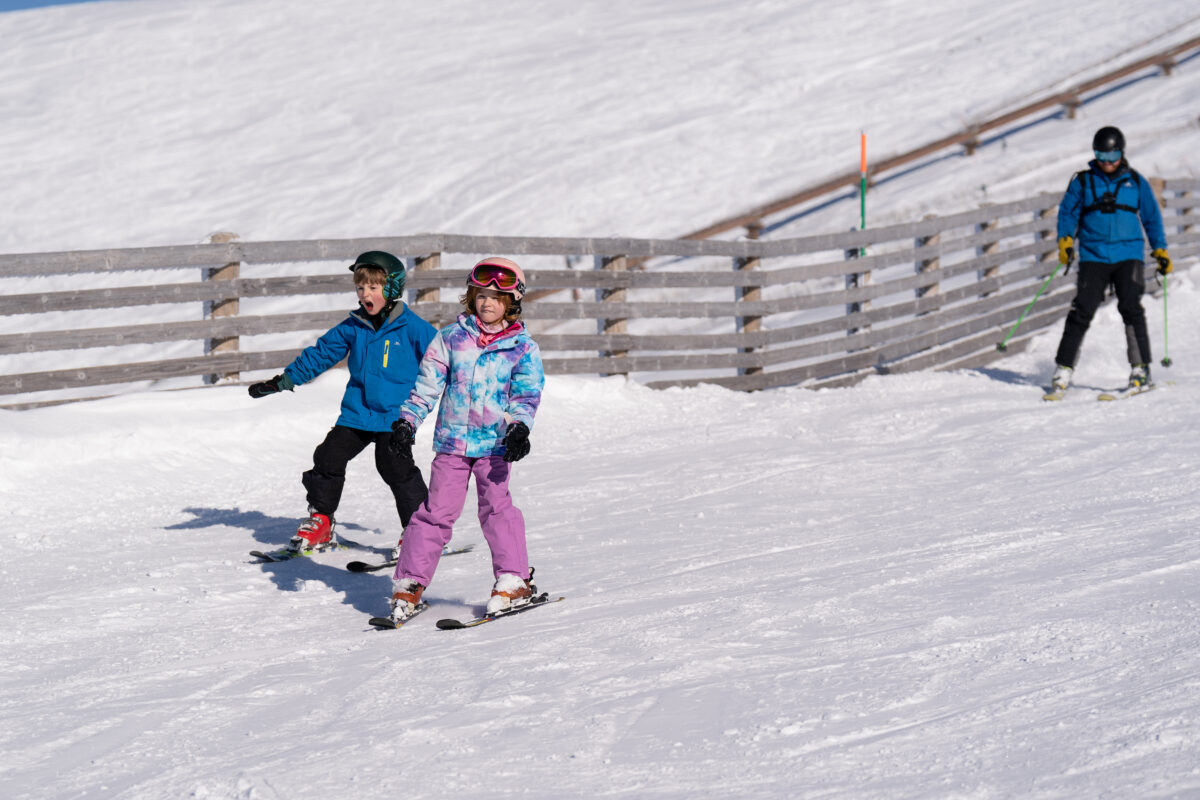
(503, 278)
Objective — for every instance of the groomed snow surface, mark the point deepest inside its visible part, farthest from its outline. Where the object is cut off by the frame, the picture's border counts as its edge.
(926, 586)
(930, 585)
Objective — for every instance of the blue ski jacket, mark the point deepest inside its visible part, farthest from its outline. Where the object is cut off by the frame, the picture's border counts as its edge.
(1107, 213)
(383, 364)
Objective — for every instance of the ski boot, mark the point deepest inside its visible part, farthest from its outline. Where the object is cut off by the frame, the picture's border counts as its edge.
(1059, 383)
(1139, 378)
(314, 533)
(510, 592)
(406, 600)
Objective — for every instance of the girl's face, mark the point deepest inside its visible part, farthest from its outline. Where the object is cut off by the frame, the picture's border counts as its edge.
(370, 296)
(489, 306)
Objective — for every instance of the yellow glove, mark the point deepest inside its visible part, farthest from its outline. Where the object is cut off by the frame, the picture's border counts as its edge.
(1164, 261)
(1066, 250)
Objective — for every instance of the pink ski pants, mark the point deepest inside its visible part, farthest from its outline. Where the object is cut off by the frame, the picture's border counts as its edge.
(433, 523)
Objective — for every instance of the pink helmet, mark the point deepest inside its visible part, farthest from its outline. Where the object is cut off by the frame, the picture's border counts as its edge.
(499, 273)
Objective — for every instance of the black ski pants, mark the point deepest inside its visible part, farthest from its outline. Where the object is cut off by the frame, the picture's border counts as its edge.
(326, 479)
(1128, 279)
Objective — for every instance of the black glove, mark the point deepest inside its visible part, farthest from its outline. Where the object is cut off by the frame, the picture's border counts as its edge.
(516, 442)
(403, 436)
(277, 384)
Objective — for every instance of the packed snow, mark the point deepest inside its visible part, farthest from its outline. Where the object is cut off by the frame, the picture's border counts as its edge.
(927, 585)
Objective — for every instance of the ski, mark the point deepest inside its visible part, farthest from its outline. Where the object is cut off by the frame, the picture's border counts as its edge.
(287, 554)
(1120, 394)
(387, 623)
(542, 599)
(366, 566)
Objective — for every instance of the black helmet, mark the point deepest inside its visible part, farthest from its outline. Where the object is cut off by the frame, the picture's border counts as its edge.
(1109, 138)
(387, 262)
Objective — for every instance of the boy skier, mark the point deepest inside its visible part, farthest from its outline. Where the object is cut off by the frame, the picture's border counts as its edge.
(383, 342)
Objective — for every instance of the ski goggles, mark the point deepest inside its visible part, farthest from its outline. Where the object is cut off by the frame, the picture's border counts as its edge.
(503, 278)
(1107, 155)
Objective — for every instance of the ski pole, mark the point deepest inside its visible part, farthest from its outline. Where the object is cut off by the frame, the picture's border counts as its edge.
(1002, 346)
(1166, 362)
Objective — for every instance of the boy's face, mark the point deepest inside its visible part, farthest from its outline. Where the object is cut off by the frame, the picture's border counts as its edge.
(370, 296)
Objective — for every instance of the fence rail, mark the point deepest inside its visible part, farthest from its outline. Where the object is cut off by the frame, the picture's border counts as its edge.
(817, 311)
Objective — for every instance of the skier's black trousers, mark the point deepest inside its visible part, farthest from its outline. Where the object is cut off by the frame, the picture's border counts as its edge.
(1128, 279)
(326, 479)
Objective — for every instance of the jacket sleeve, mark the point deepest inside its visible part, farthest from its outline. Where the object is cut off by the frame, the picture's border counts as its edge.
(1151, 214)
(331, 348)
(424, 334)
(1070, 207)
(525, 387)
(431, 380)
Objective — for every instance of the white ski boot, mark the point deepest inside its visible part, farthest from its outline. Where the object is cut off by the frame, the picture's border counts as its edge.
(1059, 383)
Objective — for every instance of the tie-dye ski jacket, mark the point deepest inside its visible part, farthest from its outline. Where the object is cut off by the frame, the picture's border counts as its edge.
(482, 389)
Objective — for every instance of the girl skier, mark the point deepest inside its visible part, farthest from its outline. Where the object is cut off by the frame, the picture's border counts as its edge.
(487, 372)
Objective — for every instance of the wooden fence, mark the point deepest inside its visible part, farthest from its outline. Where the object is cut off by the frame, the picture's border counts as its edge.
(814, 311)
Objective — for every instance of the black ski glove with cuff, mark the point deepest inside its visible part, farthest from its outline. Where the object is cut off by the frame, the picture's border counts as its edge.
(516, 442)
(403, 437)
(279, 383)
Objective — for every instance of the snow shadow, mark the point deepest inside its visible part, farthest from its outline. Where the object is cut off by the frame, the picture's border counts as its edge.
(367, 593)
(264, 528)
(1006, 376)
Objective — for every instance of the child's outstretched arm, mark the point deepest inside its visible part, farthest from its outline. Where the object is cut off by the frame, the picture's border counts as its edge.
(331, 348)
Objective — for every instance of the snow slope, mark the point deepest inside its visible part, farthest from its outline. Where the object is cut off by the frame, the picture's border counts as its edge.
(930, 585)
(146, 122)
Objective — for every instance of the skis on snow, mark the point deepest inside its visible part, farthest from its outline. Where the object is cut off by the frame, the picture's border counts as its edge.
(366, 566)
(1120, 394)
(1055, 395)
(387, 623)
(390, 624)
(540, 600)
(287, 554)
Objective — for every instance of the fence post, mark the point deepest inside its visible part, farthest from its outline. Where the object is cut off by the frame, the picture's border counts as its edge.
(1043, 235)
(855, 280)
(216, 309)
(424, 264)
(985, 249)
(613, 324)
(748, 294)
(927, 264)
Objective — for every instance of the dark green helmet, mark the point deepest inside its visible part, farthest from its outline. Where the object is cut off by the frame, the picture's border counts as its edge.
(387, 262)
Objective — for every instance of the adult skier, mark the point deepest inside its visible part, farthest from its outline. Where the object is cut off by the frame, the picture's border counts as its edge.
(1102, 217)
